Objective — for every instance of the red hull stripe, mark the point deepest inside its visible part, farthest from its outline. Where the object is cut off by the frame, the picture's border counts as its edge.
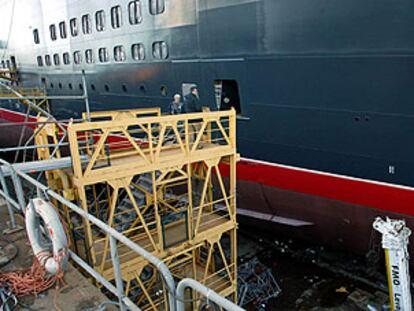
(388, 197)
(393, 198)
(13, 116)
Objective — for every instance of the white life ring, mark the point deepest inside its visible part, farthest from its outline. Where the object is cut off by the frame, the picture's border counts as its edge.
(54, 260)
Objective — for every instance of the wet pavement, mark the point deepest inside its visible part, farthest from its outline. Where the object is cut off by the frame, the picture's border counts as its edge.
(313, 278)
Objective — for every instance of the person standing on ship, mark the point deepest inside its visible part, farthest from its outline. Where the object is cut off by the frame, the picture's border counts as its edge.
(176, 105)
(192, 101)
(192, 105)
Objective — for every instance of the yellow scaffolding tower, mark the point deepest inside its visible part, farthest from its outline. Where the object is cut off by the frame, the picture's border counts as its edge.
(169, 184)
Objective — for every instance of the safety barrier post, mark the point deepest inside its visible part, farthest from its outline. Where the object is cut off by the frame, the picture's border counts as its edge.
(18, 189)
(117, 270)
(12, 223)
(206, 292)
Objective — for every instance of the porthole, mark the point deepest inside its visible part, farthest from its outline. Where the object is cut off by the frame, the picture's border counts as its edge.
(89, 56)
(60, 85)
(86, 24)
(138, 51)
(48, 60)
(93, 87)
(80, 86)
(160, 50)
(62, 30)
(164, 90)
(77, 57)
(36, 37)
(73, 27)
(142, 89)
(52, 29)
(124, 88)
(39, 61)
(52, 85)
(100, 20)
(106, 87)
(156, 6)
(119, 53)
(66, 58)
(103, 55)
(116, 16)
(70, 86)
(135, 12)
(56, 59)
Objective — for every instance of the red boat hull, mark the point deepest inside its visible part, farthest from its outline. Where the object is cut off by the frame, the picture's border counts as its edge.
(319, 220)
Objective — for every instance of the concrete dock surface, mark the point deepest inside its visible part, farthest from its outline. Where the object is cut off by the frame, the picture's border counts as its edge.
(77, 292)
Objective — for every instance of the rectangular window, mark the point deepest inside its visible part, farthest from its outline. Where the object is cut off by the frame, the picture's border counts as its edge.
(39, 61)
(135, 13)
(48, 61)
(56, 59)
(62, 29)
(138, 51)
(156, 6)
(119, 53)
(52, 29)
(77, 57)
(89, 56)
(66, 58)
(74, 27)
(116, 16)
(86, 24)
(100, 20)
(160, 50)
(103, 55)
(36, 37)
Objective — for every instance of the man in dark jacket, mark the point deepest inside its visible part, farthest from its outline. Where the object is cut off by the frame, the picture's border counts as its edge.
(192, 101)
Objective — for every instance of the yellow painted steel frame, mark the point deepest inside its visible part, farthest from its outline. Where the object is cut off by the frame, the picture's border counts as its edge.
(169, 184)
(123, 114)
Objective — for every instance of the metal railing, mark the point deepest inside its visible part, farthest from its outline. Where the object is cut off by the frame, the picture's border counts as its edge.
(34, 99)
(42, 190)
(175, 294)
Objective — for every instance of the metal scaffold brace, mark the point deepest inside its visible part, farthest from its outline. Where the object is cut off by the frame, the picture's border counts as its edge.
(395, 236)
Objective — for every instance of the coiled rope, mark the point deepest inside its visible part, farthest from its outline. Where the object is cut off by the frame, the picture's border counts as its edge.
(32, 281)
